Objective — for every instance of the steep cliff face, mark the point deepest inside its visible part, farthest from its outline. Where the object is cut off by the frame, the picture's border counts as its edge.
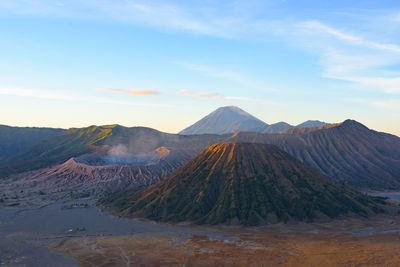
(244, 183)
(348, 152)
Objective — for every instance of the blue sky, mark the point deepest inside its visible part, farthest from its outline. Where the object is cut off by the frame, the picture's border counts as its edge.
(166, 64)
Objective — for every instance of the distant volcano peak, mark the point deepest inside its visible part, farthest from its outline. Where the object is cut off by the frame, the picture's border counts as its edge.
(234, 109)
(231, 119)
(224, 120)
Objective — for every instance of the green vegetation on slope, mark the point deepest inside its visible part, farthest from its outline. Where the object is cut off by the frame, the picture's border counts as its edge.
(78, 141)
(72, 143)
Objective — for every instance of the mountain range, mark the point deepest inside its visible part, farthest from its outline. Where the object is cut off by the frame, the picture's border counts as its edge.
(232, 119)
(347, 152)
(243, 183)
(106, 145)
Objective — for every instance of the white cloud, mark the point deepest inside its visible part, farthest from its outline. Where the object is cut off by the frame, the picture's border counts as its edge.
(353, 39)
(338, 61)
(136, 92)
(396, 18)
(352, 58)
(361, 59)
(202, 95)
(387, 85)
(57, 95)
(220, 97)
(383, 104)
(392, 104)
(229, 19)
(228, 75)
(387, 104)
(363, 71)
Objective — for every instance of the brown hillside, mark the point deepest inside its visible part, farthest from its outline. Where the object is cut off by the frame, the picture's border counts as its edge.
(244, 183)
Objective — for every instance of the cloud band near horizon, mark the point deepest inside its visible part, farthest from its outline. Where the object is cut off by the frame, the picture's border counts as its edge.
(136, 92)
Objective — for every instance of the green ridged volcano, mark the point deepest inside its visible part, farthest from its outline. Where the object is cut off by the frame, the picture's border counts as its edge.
(244, 183)
(72, 143)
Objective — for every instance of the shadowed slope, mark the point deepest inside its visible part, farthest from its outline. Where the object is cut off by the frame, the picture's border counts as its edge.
(244, 183)
(299, 130)
(16, 139)
(346, 151)
(311, 123)
(272, 128)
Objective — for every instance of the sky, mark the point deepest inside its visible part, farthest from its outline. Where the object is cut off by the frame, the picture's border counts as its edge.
(166, 64)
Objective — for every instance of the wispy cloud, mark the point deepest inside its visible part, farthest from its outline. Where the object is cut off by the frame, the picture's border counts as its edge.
(232, 76)
(213, 72)
(392, 104)
(347, 54)
(353, 39)
(387, 85)
(65, 96)
(202, 95)
(220, 97)
(139, 92)
(397, 17)
(220, 18)
(388, 104)
(359, 60)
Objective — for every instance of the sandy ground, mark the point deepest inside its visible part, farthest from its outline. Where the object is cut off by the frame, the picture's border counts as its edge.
(26, 233)
(300, 249)
(73, 232)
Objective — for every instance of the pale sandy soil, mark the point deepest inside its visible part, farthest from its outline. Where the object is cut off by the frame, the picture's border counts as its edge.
(167, 249)
(67, 232)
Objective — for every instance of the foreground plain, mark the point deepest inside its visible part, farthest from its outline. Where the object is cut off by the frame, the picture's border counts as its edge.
(381, 248)
(77, 233)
